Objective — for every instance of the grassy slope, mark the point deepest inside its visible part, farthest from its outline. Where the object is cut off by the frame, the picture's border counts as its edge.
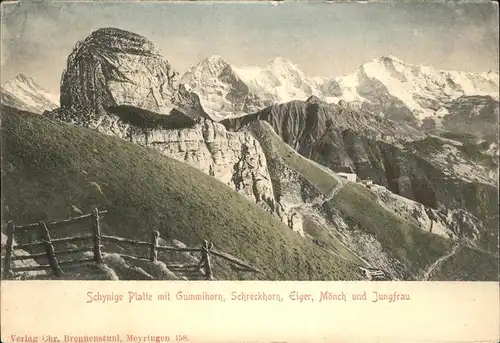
(318, 177)
(49, 166)
(401, 238)
(468, 265)
(329, 240)
(277, 150)
(405, 240)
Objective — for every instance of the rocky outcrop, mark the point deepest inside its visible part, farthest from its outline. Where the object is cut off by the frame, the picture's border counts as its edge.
(113, 67)
(236, 159)
(449, 223)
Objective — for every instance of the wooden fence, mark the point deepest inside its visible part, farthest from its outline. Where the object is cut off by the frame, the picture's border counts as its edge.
(204, 267)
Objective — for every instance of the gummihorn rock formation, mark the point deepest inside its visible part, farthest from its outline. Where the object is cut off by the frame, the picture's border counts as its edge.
(118, 83)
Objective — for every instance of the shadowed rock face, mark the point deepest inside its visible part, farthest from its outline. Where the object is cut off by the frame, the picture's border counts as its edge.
(476, 115)
(303, 123)
(113, 67)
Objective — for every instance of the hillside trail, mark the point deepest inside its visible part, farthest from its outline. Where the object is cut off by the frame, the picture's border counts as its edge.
(440, 260)
(309, 206)
(308, 209)
(458, 244)
(436, 263)
(480, 250)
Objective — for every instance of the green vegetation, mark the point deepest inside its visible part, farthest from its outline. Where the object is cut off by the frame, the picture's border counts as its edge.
(329, 241)
(51, 166)
(468, 265)
(400, 238)
(319, 178)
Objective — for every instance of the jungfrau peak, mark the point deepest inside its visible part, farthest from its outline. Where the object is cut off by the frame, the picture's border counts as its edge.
(407, 92)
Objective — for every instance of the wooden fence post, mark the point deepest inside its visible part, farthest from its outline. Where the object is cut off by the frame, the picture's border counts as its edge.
(205, 257)
(153, 254)
(49, 248)
(8, 248)
(96, 236)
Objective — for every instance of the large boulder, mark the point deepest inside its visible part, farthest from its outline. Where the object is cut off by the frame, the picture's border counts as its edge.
(113, 67)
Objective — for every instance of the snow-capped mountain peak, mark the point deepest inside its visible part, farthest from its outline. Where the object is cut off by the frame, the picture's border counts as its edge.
(282, 63)
(226, 90)
(24, 93)
(405, 91)
(213, 64)
(386, 86)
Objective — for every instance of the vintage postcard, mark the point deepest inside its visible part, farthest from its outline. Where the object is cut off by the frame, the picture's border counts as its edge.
(262, 171)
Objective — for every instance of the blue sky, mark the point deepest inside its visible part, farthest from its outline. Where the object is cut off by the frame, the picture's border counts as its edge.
(322, 38)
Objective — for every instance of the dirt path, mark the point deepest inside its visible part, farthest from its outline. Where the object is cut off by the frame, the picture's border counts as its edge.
(443, 258)
(308, 210)
(337, 188)
(473, 247)
(309, 207)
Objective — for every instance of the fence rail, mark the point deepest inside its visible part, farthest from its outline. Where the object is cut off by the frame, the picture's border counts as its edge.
(203, 268)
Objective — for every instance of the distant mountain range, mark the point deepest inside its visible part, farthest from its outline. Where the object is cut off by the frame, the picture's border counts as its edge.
(419, 95)
(25, 94)
(225, 90)
(385, 86)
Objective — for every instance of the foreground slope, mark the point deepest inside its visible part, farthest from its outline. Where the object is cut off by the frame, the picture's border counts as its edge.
(50, 168)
